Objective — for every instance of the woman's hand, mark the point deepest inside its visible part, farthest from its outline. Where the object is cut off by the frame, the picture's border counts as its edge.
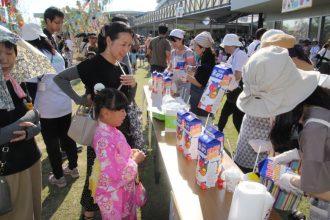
(22, 134)
(138, 156)
(128, 80)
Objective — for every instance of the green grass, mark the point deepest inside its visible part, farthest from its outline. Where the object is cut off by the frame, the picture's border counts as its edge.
(64, 204)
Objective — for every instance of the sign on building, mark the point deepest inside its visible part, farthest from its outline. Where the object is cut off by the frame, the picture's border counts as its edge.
(293, 5)
(179, 12)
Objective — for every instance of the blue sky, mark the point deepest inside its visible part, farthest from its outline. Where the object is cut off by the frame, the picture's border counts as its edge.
(28, 7)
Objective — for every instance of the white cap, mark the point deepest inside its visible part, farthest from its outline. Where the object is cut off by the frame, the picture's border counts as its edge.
(231, 40)
(177, 33)
(32, 32)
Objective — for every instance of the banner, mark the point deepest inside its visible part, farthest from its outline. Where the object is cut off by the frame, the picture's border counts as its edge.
(179, 12)
(293, 5)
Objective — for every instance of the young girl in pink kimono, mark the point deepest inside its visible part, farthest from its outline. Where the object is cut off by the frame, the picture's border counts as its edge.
(116, 186)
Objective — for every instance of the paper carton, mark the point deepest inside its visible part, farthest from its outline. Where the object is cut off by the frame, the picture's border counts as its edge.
(209, 161)
(270, 173)
(190, 145)
(215, 89)
(179, 138)
(213, 132)
(192, 125)
(181, 114)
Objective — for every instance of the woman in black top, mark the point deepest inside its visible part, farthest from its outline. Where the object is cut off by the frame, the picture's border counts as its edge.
(202, 47)
(22, 160)
(114, 43)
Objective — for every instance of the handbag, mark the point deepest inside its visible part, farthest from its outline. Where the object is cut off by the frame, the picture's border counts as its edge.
(82, 127)
(5, 201)
(134, 115)
(140, 193)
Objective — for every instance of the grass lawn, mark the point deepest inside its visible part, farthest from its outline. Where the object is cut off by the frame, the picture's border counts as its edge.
(64, 203)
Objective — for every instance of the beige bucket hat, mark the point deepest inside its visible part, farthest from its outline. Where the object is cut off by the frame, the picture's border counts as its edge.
(272, 83)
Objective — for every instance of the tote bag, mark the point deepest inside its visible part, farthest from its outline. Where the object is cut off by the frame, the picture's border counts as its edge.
(83, 126)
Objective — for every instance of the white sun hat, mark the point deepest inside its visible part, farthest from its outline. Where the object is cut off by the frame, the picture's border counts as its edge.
(231, 40)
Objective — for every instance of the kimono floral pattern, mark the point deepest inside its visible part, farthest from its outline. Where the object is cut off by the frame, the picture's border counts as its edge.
(116, 185)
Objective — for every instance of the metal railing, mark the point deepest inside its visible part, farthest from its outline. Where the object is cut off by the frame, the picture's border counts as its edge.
(189, 7)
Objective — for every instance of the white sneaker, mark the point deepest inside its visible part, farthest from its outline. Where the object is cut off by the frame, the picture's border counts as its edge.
(73, 173)
(61, 182)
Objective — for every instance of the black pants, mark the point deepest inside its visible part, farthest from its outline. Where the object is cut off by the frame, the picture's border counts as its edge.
(86, 198)
(228, 109)
(55, 134)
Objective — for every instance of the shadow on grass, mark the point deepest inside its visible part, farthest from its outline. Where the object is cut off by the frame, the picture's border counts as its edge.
(157, 206)
(55, 198)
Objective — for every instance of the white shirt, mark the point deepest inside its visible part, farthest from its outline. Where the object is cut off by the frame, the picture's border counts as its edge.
(51, 101)
(237, 60)
(252, 47)
(313, 51)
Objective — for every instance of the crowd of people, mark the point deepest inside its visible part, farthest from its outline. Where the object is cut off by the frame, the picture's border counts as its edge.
(288, 106)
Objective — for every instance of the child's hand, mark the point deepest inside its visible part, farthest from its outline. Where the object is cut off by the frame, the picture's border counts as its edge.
(138, 156)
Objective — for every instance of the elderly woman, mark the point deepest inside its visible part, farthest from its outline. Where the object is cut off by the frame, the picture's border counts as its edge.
(18, 150)
(296, 101)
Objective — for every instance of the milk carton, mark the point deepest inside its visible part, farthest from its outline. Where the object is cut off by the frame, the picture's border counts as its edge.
(180, 117)
(179, 138)
(190, 144)
(192, 125)
(213, 132)
(215, 89)
(159, 83)
(167, 85)
(154, 80)
(192, 129)
(269, 174)
(181, 114)
(209, 162)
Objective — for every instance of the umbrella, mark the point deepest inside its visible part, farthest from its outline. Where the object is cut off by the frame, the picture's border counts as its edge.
(30, 62)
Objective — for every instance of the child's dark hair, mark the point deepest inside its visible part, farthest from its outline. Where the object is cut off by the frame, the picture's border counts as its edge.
(51, 13)
(286, 123)
(43, 44)
(10, 46)
(112, 30)
(111, 99)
